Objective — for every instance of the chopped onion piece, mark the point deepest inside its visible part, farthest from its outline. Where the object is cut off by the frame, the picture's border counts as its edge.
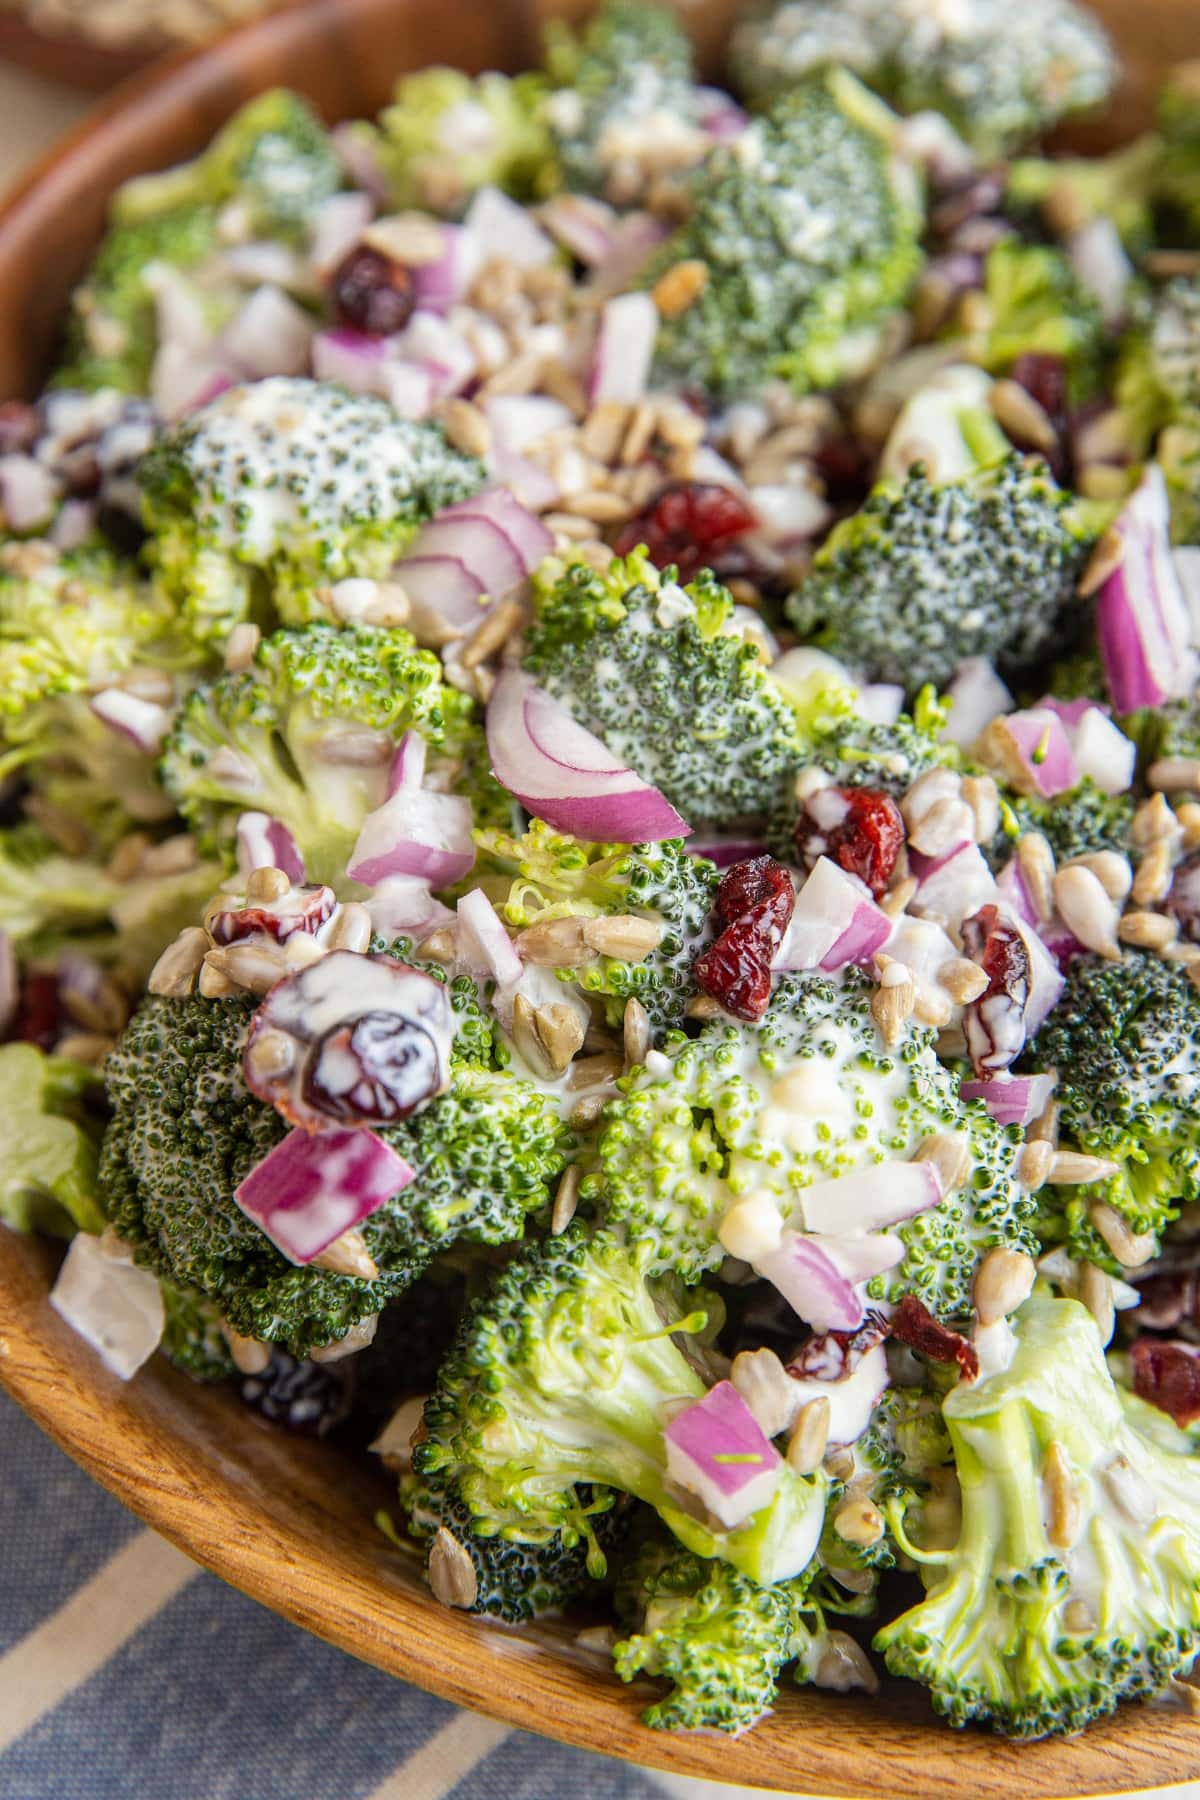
(350, 357)
(951, 887)
(1035, 751)
(1143, 623)
(1012, 1099)
(523, 529)
(266, 843)
(870, 1198)
(403, 906)
(110, 1302)
(852, 1399)
(835, 922)
(408, 764)
(415, 832)
(334, 229)
(1098, 257)
(483, 546)
(519, 421)
(484, 946)
(28, 492)
(819, 1276)
(498, 227)
(978, 696)
(717, 1450)
(314, 1186)
(412, 388)
(143, 722)
(624, 350)
(270, 335)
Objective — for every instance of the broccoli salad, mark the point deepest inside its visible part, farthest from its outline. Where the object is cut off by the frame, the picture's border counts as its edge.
(600, 840)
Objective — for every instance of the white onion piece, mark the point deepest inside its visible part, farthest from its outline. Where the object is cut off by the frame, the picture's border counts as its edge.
(261, 263)
(415, 832)
(636, 237)
(624, 350)
(720, 117)
(181, 317)
(351, 357)
(484, 946)
(524, 530)
(788, 513)
(1012, 1099)
(480, 544)
(500, 228)
(922, 946)
(441, 284)
(870, 1198)
(835, 922)
(28, 492)
(717, 1450)
(1143, 623)
(142, 722)
(1187, 567)
(1012, 890)
(183, 379)
(951, 887)
(411, 388)
(978, 696)
(403, 906)
(314, 1186)
(441, 590)
(355, 150)
(115, 1306)
(266, 843)
(270, 335)
(852, 1399)
(518, 421)
(334, 229)
(530, 485)
(1098, 257)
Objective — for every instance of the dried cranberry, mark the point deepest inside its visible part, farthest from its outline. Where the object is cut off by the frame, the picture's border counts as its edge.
(300, 909)
(844, 471)
(1168, 1301)
(688, 524)
(913, 1324)
(972, 199)
(39, 1017)
(375, 1069)
(754, 902)
(756, 881)
(373, 294)
(859, 828)
(307, 1397)
(994, 1025)
(1183, 901)
(19, 427)
(735, 972)
(1167, 1376)
(830, 1355)
(1044, 378)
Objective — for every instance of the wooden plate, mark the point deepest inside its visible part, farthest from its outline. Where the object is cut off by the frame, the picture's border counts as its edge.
(289, 1521)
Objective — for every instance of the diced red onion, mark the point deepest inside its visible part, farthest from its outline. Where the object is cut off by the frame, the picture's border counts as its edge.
(1011, 887)
(835, 922)
(441, 589)
(484, 946)
(720, 117)
(1098, 257)
(724, 852)
(315, 1185)
(979, 696)
(180, 312)
(530, 485)
(1143, 623)
(635, 239)
(1038, 740)
(1046, 980)
(870, 1198)
(1012, 1099)
(1101, 751)
(350, 357)
(142, 722)
(266, 843)
(582, 225)
(564, 774)
(519, 421)
(717, 1450)
(480, 544)
(523, 529)
(408, 764)
(335, 228)
(624, 350)
(434, 344)
(1187, 567)
(270, 335)
(415, 832)
(183, 379)
(412, 388)
(921, 945)
(403, 906)
(28, 492)
(114, 1306)
(355, 150)
(852, 1398)
(441, 284)
(501, 228)
(812, 1275)
(951, 887)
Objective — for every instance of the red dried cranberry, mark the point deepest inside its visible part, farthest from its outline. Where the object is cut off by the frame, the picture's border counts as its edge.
(859, 828)
(994, 1025)
(19, 427)
(1168, 1301)
(844, 471)
(913, 1324)
(373, 1070)
(735, 972)
(830, 1355)
(1167, 1376)
(1183, 901)
(689, 524)
(1044, 378)
(752, 883)
(304, 908)
(754, 903)
(39, 1017)
(373, 294)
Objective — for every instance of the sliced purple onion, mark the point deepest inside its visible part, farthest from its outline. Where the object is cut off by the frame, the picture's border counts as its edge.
(142, 722)
(583, 226)
(480, 544)
(441, 590)
(636, 237)
(1013, 891)
(528, 483)
(184, 379)
(28, 492)
(717, 1450)
(314, 1186)
(270, 335)
(335, 227)
(484, 946)
(114, 1306)
(835, 922)
(978, 697)
(498, 227)
(870, 1198)
(624, 350)
(724, 852)
(952, 886)
(75, 523)
(415, 832)
(434, 343)
(352, 358)
(411, 388)
(720, 118)
(1143, 623)
(1012, 1099)
(408, 764)
(523, 529)
(819, 1277)
(441, 284)
(356, 152)
(1036, 751)
(266, 843)
(1101, 751)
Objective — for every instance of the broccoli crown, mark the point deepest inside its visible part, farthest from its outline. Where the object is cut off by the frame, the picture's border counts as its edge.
(192, 1337)
(1037, 304)
(624, 81)
(1123, 1039)
(1179, 166)
(274, 159)
(927, 574)
(111, 335)
(1175, 345)
(1119, 187)
(275, 490)
(663, 675)
(558, 1379)
(718, 1637)
(48, 1152)
(550, 876)
(306, 733)
(1077, 823)
(809, 245)
(1001, 79)
(1075, 1579)
(447, 134)
(806, 1095)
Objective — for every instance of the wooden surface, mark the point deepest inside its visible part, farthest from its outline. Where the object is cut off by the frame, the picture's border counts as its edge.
(289, 1521)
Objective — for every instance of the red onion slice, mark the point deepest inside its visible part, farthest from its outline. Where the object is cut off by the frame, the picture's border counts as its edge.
(835, 922)
(334, 229)
(270, 335)
(441, 590)
(1101, 750)
(142, 722)
(412, 389)
(350, 357)
(266, 843)
(518, 421)
(951, 887)
(978, 696)
(481, 545)
(484, 946)
(314, 1186)
(870, 1198)
(1142, 618)
(498, 227)
(717, 1450)
(819, 1277)
(441, 284)
(1035, 751)
(1012, 1099)
(624, 350)
(523, 529)
(415, 832)
(408, 764)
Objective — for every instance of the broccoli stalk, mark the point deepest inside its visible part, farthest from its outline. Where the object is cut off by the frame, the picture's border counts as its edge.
(48, 1154)
(1075, 1580)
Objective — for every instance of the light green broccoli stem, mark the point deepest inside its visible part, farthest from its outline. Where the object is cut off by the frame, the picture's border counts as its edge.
(48, 1149)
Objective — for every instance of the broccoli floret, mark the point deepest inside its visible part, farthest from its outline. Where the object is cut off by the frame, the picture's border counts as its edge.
(1036, 304)
(1179, 168)
(403, 1358)
(306, 733)
(810, 245)
(274, 160)
(558, 1378)
(112, 336)
(683, 1143)
(192, 1337)
(48, 1149)
(625, 88)
(1178, 454)
(1175, 346)
(720, 1638)
(272, 492)
(1075, 1579)
(1076, 823)
(927, 575)
(662, 674)
(1123, 1038)
(548, 876)
(446, 135)
(1072, 191)
(1001, 78)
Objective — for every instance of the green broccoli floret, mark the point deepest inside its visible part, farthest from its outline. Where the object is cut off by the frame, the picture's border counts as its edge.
(1076, 823)
(810, 243)
(720, 1638)
(1179, 168)
(112, 336)
(1037, 304)
(544, 876)
(274, 159)
(1000, 78)
(558, 1379)
(48, 1149)
(1071, 191)
(446, 135)
(265, 497)
(928, 574)
(625, 88)
(307, 733)
(192, 1337)
(1178, 455)
(662, 674)
(1047, 1612)
(717, 1117)
(1123, 1039)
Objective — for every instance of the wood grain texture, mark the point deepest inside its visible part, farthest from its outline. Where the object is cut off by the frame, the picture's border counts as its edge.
(289, 1521)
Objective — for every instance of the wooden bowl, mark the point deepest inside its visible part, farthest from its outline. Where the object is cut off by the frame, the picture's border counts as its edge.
(289, 1521)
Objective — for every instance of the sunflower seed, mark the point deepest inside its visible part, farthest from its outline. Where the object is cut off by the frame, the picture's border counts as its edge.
(174, 974)
(348, 1255)
(1087, 910)
(983, 797)
(1111, 870)
(893, 1003)
(466, 427)
(963, 980)
(554, 944)
(1105, 560)
(1096, 1292)
(1153, 879)
(1035, 859)
(810, 1436)
(1148, 930)
(1070, 1168)
(767, 1388)
(680, 287)
(1021, 416)
(566, 1199)
(356, 1339)
(267, 884)
(350, 929)
(452, 1576)
(1153, 822)
(1131, 1249)
(858, 1522)
(492, 633)
(1033, 1164)
(241, 647)
(845, 1666)
(250, 1355)
(635, 1032)
(1003, 1281)
(1062, 1494)
(623, 935)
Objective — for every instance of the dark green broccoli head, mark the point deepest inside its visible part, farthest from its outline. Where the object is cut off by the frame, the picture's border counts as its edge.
(192, 1337)
(307, 734)
(926, 575)
(1074, 1582)
(274, 491)
(662, 674)
(809, 243)
(1077, 823)
(1123, 1039)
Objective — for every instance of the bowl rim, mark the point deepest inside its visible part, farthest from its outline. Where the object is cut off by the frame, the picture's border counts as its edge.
(187, 1485)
